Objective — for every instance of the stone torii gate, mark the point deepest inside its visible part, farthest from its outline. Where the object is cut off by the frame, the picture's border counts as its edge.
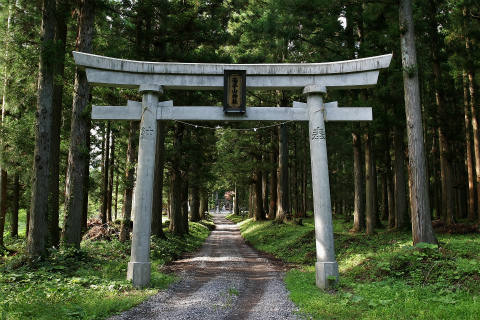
(151, 78)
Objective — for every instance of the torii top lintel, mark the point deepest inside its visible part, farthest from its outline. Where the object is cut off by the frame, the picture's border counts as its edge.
(350, 74)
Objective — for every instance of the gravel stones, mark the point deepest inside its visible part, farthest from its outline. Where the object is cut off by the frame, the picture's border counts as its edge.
(225, 279)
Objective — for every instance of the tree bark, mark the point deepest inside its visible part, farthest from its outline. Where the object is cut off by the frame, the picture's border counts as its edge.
(369, 185)
(16, 205)
(129, 182)
(272, 210)
(111, 167)
(157, 211)
(282, 186)
(422, 230)
(37, 236)
(468, 146)
(435, 191)
(359, 210)
(3, 206)
(106, 165)
(258, 212)
(384, 197)
(400, 185)
(78, 152)
(176, 219)
(194, 204)
(86, 176)
(184, 199)
(265, 180)
(63, 8)
(204, 204)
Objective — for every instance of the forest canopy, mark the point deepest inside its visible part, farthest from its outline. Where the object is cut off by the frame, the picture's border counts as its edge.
(59, 168)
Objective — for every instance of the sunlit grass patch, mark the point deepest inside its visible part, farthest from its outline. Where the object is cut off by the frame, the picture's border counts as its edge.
(381, 276)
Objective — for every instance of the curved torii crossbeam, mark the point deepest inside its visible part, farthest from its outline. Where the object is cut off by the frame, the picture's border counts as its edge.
(152, 77)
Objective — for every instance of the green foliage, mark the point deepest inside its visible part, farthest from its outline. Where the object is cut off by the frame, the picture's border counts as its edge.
(85, 284)
(379, 275)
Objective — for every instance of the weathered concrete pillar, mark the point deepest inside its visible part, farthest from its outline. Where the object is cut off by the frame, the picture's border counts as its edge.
(326, 267)
(139, 270)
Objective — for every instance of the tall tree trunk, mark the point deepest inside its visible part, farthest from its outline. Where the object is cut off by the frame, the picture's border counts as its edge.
(194, 192)
(282, 185)
(129, 182)
(265, 180)
(157, 210)
(258, 212)
(16, 205)
(435, 191)
(390, 187)
(176, 219)
(37, 236)
(468, 146)
(86, 177)
(3, 206)
(251, 200)
(110, 179)
(184, 198)
(204, 204)
(3, 173)
(384, 204)
(115, 203)
(369, 185)
(272, 210)
(304, 170)
(391, 203)
(194, 204)
(78, 153)
(376, 210)
(359, 210)
(106, 163)
(63, 8)
(422, 230)
(400, 185)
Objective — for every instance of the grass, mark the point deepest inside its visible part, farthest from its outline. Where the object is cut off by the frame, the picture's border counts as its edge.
(85, 284)
(381, 276)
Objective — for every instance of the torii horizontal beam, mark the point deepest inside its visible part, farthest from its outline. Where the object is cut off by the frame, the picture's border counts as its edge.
(166, 111)
(111, 72)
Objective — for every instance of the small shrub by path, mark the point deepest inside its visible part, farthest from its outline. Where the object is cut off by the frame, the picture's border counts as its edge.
(381, 276)
(86, 284)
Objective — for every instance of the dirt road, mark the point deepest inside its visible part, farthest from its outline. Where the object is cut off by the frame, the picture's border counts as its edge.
(226, 279)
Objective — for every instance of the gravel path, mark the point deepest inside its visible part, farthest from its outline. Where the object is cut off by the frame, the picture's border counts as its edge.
(226, 279)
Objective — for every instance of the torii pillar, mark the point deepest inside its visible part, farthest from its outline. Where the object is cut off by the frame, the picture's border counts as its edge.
(139, 267)
(326, 267)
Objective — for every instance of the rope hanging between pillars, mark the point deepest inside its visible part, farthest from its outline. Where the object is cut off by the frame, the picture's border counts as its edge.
(233, 129)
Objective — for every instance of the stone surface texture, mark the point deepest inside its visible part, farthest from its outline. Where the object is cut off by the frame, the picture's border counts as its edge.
(351, 74)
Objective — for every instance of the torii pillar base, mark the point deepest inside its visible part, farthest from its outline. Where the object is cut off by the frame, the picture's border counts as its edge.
(139, 273)
(326, 274)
